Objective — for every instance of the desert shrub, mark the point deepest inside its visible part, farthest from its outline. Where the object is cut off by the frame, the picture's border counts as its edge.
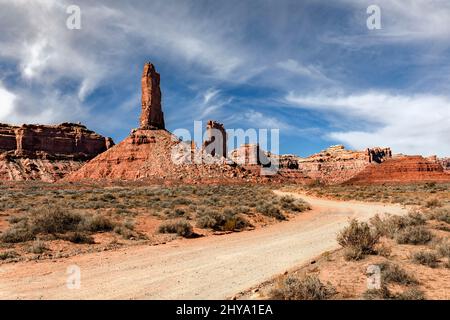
(411, 294)
(181, 201)
(377, 294)
(391, 225)
(443, 249)
(308, 288)
(426, 258)
(224, 221)
(393, 273)
(125, 232)
(414, 235)
(78, 237)
(358, 239)
(181, 227)
(8, 255)
(289, 203)
(54, 220)
(270, 210)
(384, 250)
(37, 247)
(441, 214)
(16, 234)
(433, 203)
(96, 223)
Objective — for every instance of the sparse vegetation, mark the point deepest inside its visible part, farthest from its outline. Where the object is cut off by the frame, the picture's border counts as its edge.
(38, 247)
(414, 235)
(391, 225)
(426, 258)
(62, 224)
(393, 273)
(181, 227)
(308, 288)
(358, 239)
(8, 255)
(411, 294)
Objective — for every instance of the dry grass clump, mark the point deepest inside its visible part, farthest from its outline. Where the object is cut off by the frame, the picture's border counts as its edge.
(358, 240)
(411, 294)
(292, 204)
(58, 222)
(440, 214)
(37, 247)
(8, 255)
(393, 273)
(308, 288)
(227, 220)
(180, 227)
(392, 224)
(414, 235)
(407, 229)
(426, 258)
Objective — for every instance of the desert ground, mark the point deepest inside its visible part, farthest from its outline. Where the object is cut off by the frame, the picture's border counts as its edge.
(214, 267)
(129, 250)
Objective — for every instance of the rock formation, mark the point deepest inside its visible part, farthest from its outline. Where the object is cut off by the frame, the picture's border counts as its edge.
(152, 116)
(249, 154)
(40, 152)
(445, 163)
(153, 154)
(336, 164)
(402, 169)
(216, 139)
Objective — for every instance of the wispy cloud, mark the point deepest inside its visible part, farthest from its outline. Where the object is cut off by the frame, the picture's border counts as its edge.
(296, 67)
(410, 124)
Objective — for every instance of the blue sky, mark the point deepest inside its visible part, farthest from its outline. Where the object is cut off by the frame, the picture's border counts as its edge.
(310, 68)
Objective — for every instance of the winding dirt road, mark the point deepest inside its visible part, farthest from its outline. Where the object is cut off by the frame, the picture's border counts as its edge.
(214, 267)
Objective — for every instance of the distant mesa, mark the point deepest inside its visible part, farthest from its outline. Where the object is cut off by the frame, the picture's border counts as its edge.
(46, 152)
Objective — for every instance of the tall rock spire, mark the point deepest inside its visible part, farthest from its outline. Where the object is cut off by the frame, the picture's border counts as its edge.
(152, 116)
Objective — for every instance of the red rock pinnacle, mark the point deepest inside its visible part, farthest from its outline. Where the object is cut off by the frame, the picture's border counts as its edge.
(152, 116)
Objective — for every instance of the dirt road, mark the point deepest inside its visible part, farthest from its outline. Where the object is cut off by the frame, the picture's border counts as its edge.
(206, 268)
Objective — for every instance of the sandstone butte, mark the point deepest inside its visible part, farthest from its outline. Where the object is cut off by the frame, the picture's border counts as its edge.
(152, 153)
(47, 153)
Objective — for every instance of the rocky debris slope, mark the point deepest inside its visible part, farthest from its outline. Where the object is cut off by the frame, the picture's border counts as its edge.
(45, 152)
(156, 155)
(402, 169)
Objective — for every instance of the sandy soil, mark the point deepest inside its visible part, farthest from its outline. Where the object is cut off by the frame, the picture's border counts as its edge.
(206, 268)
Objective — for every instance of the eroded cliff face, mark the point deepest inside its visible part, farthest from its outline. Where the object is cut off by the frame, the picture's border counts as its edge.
(336, 164)
(445, 163)
(403, 169)
(48, 153)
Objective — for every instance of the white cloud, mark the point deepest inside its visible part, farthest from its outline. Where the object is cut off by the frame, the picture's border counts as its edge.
(210, 94)
(296, 67)
(402, 21)
(260, 120)
(417, 124)
(7, 100)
